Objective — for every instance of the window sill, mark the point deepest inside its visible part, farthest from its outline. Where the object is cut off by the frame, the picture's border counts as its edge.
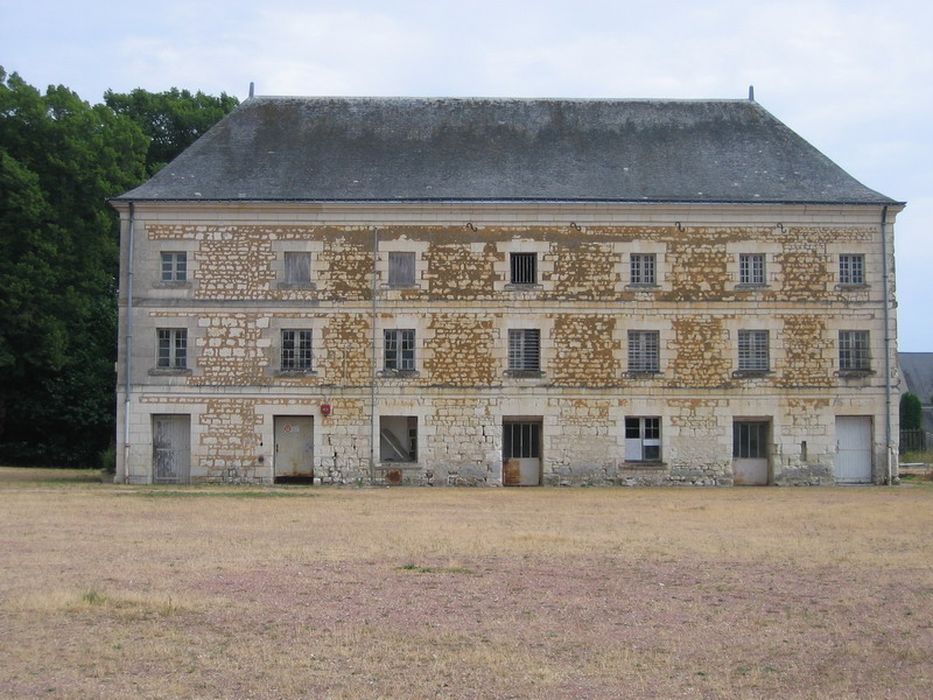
(310, 286)
(182, 284)
(750, 287)
(524, 373)
(400, 287)
(646, 464)
(643, 374)
(522, 287)
(638, 287)
(399, 373)
(854, 373)
(169, 372)
(747, 373)
(294, 373)
(852, 287)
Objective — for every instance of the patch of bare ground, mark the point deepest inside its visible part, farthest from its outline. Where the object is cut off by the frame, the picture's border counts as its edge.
(296, 592)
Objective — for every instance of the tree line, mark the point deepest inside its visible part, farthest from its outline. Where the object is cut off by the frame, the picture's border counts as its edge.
(61, 158)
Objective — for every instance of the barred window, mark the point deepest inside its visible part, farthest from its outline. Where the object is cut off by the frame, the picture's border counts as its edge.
(296, 350)
(752, 269)
(642, 439)
(853, 351)
(643, 351)
(173, 348)
(174, 267)
(753, 351)
(298, 269)
(749, 440)
(399, 349)
(643, 268)
(851, 269)
(401, 269)
(525, 350)
(524, 268)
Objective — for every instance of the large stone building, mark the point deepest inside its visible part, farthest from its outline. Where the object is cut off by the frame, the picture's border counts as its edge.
(505, 291)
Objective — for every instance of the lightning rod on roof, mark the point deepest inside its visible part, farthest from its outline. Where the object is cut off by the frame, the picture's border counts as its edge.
(751, 93)
(252, 88)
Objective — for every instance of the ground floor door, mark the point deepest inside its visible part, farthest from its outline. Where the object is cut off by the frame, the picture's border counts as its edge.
(171, 449)
(853, 449)
(750, 453)
(521, 453)
(294, 448)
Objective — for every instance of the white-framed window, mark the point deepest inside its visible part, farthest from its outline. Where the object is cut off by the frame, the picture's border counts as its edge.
(399, 349)
(524, 268)
(853, 351)
(642, 439)
(296, 350)
(401, 269)
(524, 350)
(173, 348)
(754, 355)
(851, 269)
(752, 269)
(297, 269)
(174, 267)
(644, 352)
(643, 268)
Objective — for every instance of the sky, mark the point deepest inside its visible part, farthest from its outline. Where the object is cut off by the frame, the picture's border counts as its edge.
(854, 78)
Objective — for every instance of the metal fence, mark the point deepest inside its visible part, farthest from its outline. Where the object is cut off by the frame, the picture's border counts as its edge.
(915, 441)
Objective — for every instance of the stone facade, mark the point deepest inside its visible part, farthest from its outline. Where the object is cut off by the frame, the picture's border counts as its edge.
(235, 305)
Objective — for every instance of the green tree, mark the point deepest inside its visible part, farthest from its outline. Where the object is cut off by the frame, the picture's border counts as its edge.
(173, 119)
(60, 159)
(911, 412)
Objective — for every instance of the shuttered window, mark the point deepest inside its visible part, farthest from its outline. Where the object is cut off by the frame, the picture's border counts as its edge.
(753, 351)
(298, 269)
(643, 351)
(401, 269)
(524, 268)
(524, 350)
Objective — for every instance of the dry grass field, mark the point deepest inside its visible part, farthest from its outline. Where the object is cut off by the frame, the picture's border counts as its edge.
(112, 591)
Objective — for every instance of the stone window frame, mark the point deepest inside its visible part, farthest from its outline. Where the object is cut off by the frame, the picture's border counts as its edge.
(402, 322)
(624, 253)
(289, 245)
(189, 249)
(171, 366)
(503, 266)
(770, 250)
(298, 365)
(271, 342)
(397, 336)
(401, 245)
(524, 351)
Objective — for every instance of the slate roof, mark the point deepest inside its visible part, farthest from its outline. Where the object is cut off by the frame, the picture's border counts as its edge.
(489, 149)
(917, 371)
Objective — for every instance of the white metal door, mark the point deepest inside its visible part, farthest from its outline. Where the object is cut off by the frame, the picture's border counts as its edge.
(750, 453)
(294, 446)
(171, 449)
(853, 449)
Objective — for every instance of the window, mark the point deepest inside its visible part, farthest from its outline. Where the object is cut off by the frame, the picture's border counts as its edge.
(753, 351)
(643, 268)
(400, 350)
(524, 350)
(853, 351)
(752, 269)
(398, 438)
(296, 350)
(174, 267)
(524, 268)
(852, 269)
(521, 441)
(401, 269)
(643, 351)
(749, 440)
(298, 269)
(642, 439)
(173, 348)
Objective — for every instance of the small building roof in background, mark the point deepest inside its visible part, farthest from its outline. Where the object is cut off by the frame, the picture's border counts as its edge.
(490, 149)
(917, 371)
